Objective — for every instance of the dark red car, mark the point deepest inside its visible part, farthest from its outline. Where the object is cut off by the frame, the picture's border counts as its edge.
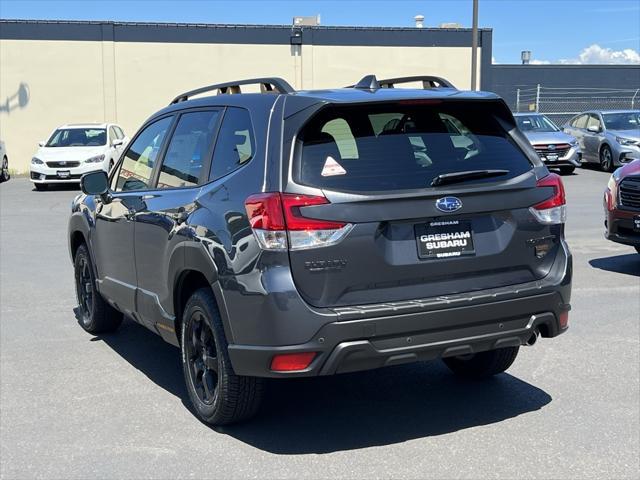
(622, 206)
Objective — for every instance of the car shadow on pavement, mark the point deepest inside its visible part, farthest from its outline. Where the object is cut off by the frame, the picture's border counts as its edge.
(349, 411)
(380, 407)
(629, 264)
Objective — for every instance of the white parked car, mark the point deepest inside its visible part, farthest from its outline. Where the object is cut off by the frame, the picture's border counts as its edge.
(4, 163)
(73, 150)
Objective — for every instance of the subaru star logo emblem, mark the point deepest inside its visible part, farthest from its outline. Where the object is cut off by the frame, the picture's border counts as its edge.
(551, 147)
(448, 204)
(63, 163)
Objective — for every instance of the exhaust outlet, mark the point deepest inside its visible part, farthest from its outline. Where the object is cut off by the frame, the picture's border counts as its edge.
(533, 338)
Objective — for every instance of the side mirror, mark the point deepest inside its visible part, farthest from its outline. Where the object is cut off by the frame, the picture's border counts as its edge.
(95, 183)
(593, 129)
(117, 142)
(41, 143)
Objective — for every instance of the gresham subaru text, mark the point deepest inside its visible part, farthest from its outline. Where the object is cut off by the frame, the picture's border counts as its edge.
(302, 233)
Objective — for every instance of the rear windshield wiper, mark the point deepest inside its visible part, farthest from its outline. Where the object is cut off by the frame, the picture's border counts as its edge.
(457, 177)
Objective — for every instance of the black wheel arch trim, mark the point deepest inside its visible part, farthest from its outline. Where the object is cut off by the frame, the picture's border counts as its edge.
(193, 257)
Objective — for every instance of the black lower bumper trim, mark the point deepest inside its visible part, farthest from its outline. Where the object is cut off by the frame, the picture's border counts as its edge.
(349, 346)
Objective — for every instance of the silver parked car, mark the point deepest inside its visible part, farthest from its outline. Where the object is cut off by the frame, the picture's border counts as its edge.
(610, 138)
(555, 148)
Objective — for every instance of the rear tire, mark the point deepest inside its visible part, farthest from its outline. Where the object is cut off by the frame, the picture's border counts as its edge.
(4, 175)
(606, 159)
(483, 364)
(567, 170)
(96, 315)
(41, 186)
(218, 395)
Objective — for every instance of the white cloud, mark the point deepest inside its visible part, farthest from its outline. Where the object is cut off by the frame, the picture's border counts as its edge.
(595, 54)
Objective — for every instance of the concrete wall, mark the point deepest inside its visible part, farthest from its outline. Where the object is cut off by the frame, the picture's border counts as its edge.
(69, 72)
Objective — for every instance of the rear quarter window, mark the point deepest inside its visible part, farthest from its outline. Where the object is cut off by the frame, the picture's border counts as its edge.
(391, 147)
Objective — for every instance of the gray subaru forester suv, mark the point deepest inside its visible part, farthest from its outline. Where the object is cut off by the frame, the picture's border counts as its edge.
(301, 233)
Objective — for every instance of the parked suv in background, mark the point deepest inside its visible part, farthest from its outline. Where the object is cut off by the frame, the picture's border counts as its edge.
(609, 138)
(290, 234)
(622, 206)
(556, 148)
(73, 150)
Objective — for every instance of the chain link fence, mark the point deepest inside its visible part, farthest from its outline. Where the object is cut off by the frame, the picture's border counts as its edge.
(560, 104)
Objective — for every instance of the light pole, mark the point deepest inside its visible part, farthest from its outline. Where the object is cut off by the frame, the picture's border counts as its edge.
(474, 45)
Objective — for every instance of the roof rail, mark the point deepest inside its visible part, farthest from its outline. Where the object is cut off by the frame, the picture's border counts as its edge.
(428, 81)
(267, 85)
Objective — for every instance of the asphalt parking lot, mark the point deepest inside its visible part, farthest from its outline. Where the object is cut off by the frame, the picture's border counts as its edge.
(77, 406)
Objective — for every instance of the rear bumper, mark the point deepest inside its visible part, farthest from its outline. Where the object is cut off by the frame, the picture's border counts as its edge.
(348, 346)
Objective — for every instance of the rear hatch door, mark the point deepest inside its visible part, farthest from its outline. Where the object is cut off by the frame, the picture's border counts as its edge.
(437, 196)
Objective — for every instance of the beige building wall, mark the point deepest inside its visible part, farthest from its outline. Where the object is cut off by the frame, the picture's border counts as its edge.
(46, 83)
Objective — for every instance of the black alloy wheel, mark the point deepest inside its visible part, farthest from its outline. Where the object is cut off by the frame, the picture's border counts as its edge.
(202, 357)
(84, 289)
(95, 315)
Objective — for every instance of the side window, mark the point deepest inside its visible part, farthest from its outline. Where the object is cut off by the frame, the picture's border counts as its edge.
(119, 131)
(594, 121)
(113, 136)
(188, 150)
(235, 145)
(581, 121)
(137, 165)
(339, 129)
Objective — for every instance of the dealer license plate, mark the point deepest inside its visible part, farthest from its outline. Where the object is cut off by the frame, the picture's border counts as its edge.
(445, 238)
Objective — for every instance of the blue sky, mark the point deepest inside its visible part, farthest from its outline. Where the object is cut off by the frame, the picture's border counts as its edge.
(554, 30)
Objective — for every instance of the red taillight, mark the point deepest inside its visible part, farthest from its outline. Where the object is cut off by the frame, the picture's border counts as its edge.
(294, 219)
(278, 223)
(291, 362)
(281, 211)
(558, 198)
(265, 211)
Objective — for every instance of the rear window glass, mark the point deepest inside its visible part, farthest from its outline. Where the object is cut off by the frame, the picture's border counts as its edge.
(401, 147)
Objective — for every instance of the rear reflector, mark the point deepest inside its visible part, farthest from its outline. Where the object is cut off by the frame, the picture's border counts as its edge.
(553, 210)
(291, 362)
(274, 217)
(564, 319)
